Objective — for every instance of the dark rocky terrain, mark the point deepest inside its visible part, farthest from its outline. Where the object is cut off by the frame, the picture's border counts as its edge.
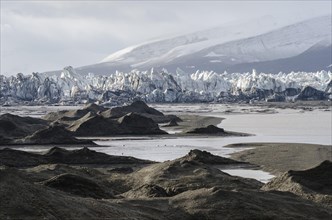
(310, 93)
(185, 188)
(68, 116)
(61, 127)
(313, 184)
(172, 123)
(85, 184)
(279, 158)
(139, 124)
(93, 120)
(78, 185)
(139, 107)
(208, 158)
(52, 135)
(210, 129)
(129, 124)
(13, 126)
(136, 107)
(16, 158)
(16, 130)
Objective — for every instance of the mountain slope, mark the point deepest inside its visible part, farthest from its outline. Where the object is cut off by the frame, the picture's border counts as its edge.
(310, 60)
(282, 43)
(260, 44)
(190, 43)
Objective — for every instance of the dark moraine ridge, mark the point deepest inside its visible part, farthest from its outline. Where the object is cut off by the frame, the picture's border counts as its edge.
(13, 126)
(78, 185)
(208, 158)
(210, 129)
(93, 120)
(16, 158)
(141, 108)
(314, 184)
(52, 135)
(130, 124)
(72, 115)
(186, 188)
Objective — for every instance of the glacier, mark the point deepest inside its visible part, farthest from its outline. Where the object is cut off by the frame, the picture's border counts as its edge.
(155, 86)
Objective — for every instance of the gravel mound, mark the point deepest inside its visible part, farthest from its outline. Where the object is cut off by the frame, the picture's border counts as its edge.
(314, 184)
(78, 185)
(210, 129)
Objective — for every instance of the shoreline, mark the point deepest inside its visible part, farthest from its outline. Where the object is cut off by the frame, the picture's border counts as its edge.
(207, 108)
(265, 158)
(277, 158)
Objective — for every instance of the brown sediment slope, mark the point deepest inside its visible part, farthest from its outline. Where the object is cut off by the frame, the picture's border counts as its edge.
(141, 108)
(210, 129)
(24, 199)
(218, 203)
(190, 122)
(185, 188)
(130, 124)
(93, 125)
(17, 158)
(313, 184)
(188, 173)
(52, 135)
(93, 120)
(208, 158)
(197, 121)
(78, 185)
(16, 130)
(138, 124)
(282, 157)
(68, 116)
(13, 126)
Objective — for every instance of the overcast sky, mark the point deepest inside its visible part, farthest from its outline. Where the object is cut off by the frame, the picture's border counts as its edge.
(39, 36)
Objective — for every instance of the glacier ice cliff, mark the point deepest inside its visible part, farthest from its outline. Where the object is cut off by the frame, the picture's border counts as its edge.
(162, 86)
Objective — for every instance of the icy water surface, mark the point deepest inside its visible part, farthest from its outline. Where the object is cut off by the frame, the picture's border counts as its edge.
(288, 126)
(259, 175)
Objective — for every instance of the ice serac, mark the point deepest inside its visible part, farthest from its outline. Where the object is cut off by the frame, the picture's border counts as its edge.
(163, 86)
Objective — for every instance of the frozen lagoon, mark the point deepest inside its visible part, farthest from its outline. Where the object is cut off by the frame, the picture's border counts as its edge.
(286, 126)
(281, 125)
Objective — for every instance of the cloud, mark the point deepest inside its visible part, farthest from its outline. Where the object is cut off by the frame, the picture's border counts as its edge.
(47, 35)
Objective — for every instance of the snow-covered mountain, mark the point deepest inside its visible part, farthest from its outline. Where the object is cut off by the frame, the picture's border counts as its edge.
(239, 47)
(159, 86)
(187, 44)
(292, 62)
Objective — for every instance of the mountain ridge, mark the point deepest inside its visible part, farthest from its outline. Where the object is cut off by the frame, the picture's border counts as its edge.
(232, 48)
